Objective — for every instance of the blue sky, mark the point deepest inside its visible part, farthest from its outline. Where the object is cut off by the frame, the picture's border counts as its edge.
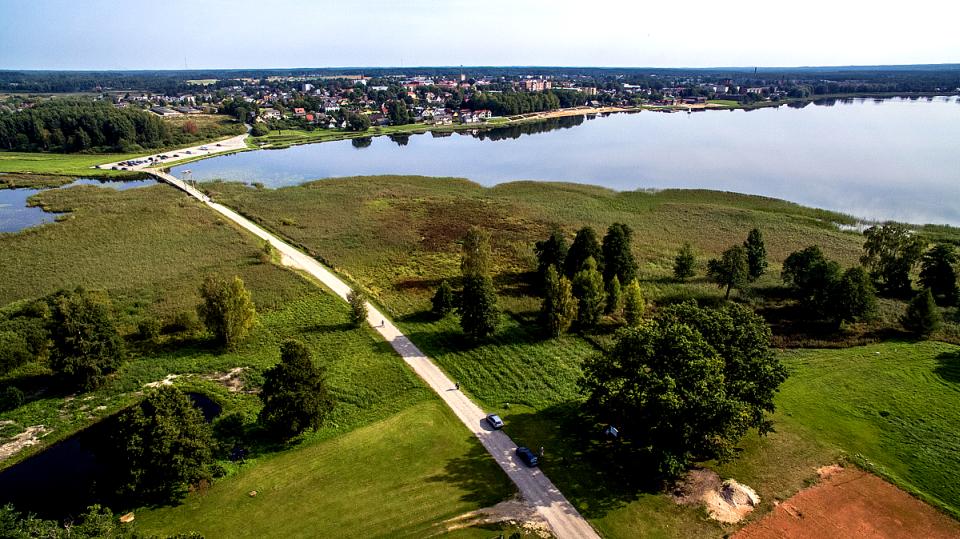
(99, 34)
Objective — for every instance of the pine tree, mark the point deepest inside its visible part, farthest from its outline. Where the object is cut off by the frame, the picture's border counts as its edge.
(756, 254)
(550, 252)
(633, 306)
(559, 308)
(588, 289)
(922, 317)
(938, 273)
(684, 263)
(585, 245)
(295, 395)
(479, 314)
(618, 255)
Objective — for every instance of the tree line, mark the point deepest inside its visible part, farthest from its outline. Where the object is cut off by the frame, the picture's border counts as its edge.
(76, 125)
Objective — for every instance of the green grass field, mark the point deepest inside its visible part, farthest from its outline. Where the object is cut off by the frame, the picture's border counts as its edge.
(399, 477)
(896, 405)
(397, 238)
(62, 164)
(149, 249)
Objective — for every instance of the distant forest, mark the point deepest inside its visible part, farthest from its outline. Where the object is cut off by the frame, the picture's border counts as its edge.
(907, 78)
(75, 125)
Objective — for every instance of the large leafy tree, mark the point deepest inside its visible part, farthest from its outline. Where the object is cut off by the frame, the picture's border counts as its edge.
(226, 309)
(756, 254)
(853, 297)
(585, 245)
(559, 307)
(938, 273)
(85, 343)
(890, 252)
(589, 291)
(295, 395)
(687, 386)
(812, 277)
(550, 252)
(618, 255)
(731, 270)
(160, 447)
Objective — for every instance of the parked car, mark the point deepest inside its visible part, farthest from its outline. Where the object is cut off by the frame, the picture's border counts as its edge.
(527, 456)
(495, 422)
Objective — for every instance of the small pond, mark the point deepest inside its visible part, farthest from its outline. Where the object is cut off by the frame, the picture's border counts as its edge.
(62, 480)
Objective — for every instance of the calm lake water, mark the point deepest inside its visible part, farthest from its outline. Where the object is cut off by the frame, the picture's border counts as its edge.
(15, 215)
(876, 159)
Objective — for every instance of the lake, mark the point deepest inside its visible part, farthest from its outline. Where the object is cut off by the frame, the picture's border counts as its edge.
(16, 215)
(875, 159)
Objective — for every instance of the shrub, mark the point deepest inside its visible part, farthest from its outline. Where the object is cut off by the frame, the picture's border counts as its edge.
(11, 397)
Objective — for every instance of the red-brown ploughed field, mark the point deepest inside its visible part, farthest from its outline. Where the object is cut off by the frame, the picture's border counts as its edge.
(852, 503)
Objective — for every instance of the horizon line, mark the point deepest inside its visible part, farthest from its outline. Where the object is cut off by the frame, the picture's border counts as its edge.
(457, 66)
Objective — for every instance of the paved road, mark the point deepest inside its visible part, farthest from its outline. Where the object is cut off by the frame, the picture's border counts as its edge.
(535, 488)
(212, 148)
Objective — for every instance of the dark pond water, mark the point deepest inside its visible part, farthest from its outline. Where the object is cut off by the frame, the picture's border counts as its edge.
(62, 480)
(875, 159)
(15, 215)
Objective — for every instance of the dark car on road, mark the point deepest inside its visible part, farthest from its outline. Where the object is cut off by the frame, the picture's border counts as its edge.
(495, 422)
(527, 456)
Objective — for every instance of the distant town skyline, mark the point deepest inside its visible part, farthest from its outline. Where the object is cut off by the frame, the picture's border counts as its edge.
(219, 34)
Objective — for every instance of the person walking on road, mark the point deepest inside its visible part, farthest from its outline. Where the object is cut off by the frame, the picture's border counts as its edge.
(457, 386)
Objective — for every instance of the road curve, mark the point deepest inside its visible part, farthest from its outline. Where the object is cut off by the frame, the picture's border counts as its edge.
(534, 486)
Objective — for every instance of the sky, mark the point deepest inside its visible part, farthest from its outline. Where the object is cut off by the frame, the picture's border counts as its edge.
(211, 34)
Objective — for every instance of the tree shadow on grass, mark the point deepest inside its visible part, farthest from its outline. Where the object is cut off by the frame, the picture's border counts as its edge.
(948, 366)
(596, 474)
(477, 475)
(37, 386)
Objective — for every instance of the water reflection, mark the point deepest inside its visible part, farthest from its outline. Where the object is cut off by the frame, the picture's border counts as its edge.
(896, 160)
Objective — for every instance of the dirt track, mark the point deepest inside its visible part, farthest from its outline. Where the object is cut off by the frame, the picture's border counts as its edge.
(853, 503)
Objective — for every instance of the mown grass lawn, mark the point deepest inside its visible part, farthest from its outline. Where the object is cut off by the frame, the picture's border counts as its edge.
(896, 405)
(63, 164)
(399, 477)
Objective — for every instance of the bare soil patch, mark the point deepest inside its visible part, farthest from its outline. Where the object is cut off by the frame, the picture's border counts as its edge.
(726, 501)
(29, 437)
(232, 379)
(852, 503)
(514, 512)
